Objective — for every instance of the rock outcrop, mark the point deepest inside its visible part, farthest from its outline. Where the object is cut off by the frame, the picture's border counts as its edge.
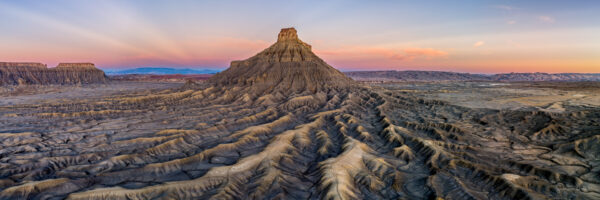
(289, 64)
(37, 73)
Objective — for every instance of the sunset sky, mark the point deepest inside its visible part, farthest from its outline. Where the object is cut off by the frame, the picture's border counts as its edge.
(475, 36)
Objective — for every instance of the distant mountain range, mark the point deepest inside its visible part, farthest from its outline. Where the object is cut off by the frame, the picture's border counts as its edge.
(546, 77)
(413, 76)
(392, 75)
(160, 71)
(453, 76)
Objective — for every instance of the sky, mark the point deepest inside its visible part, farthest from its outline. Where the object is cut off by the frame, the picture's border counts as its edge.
(553, 36)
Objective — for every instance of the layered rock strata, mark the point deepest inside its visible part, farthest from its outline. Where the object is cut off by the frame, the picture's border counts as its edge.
(37, 73)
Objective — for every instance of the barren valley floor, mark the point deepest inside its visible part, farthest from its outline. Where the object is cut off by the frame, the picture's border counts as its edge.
(456, 140)
(545, 96)
(35, 94)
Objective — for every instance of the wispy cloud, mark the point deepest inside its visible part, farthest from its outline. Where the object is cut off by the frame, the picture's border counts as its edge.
(511, 22)
(546, 19)
(167, 51)
(504, 7)
(412, 53)
(478, 44)
(368, 53)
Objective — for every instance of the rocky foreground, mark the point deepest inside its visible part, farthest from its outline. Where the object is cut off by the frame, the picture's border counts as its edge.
(285, 125)
(40, 74)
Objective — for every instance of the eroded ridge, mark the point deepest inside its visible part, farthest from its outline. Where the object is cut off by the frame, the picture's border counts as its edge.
(243, 141)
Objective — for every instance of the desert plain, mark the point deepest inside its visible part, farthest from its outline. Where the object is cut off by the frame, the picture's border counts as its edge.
(285, 125)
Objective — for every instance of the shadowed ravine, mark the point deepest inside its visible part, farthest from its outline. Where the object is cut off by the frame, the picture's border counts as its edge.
(285, 125)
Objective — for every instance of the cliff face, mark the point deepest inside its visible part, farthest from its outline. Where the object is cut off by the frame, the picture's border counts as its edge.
(37, 73)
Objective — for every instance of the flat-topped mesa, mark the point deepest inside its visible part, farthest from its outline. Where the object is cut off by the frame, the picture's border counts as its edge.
(76, 65)
(6, 65)
(289, 63)
(13, 73)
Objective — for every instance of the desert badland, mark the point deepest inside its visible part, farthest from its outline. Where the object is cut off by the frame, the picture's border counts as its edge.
(284, 124)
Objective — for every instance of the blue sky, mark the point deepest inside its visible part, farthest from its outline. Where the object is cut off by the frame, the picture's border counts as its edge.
(465, 36)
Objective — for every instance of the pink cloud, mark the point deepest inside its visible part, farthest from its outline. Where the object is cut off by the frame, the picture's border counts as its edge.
(242, 43)
(369, 53)
(364, 57)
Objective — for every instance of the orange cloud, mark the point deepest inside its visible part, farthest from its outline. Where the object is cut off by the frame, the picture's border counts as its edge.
(413, 53)
(478, 44)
